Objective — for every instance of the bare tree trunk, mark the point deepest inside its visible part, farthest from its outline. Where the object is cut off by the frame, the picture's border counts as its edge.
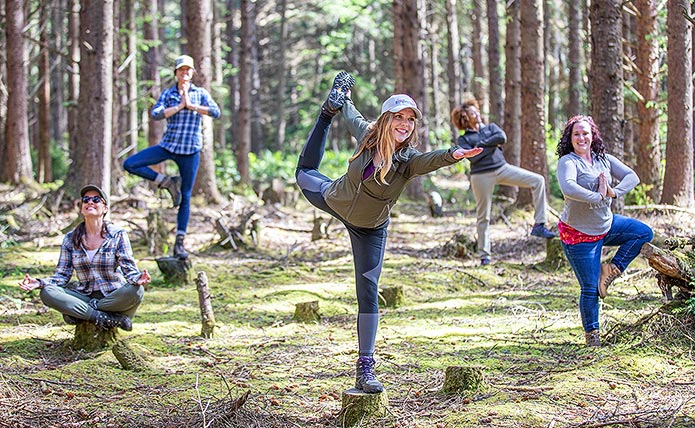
(18, 166)
(496, 114)
(575, 63)
(120, 93)
(57, 60)
(630, 78)
(245, 70)
(218, 73)
(198, 19)
(74, 73)
(232, 80)
(678, 173)
(512, 88)
(410, 68)
(282, 77)
(533, 156)
(607, 102)
(453, 69)
(3, 86)
(648, 146)
(479, 75)
(95, 106)
(44, 172)
(151, 59)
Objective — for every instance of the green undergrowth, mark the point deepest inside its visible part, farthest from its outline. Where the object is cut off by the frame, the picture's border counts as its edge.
(519, 322)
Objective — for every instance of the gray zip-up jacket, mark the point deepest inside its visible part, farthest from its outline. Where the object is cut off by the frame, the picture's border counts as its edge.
(585, 208)
(366, 202)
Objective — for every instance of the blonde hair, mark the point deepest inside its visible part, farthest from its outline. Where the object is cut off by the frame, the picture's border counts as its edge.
(380, 139)
(459, 117)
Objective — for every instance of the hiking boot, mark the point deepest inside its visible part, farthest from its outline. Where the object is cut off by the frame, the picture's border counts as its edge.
(364, 377)
(173, 185)
(609, 272)
(484, 261)
(109, 320)
(339, 93)
(541, 231)
(592, 338)
(179, 250)
(70, 320)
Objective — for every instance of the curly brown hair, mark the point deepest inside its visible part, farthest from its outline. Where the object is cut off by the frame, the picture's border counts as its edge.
(459, 117)
(565, 145)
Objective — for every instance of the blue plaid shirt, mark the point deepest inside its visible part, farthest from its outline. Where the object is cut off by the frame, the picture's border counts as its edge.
(183, 135)
(112, 265)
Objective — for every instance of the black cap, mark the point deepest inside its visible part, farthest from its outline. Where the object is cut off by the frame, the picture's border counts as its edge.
(97, 189)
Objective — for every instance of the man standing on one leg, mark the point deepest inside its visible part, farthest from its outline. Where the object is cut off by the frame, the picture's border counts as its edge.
(183, 105)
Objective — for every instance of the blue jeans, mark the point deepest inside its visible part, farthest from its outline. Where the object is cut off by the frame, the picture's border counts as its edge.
(139, 164)
(585, 258)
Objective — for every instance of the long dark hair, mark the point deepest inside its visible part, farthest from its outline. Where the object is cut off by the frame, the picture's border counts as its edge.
(80, 231)
(565, 145)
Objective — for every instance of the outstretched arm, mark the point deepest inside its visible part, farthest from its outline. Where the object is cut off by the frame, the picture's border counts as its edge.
(461, 153)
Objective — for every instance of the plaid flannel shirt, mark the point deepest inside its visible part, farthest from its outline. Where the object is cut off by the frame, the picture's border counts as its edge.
(183, 135)
(112, 265)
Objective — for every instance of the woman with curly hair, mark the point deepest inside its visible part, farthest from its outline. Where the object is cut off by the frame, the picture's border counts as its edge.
(590, 179)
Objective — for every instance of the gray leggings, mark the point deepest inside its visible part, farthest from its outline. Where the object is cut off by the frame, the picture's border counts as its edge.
(124, 301)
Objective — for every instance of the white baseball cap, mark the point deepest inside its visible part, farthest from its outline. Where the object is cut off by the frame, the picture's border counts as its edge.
(184, 60)
(398, 102)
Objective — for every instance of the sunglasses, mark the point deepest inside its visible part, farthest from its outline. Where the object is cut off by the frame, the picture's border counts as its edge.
(95, 199)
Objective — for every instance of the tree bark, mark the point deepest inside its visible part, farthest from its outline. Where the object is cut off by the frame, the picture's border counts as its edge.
(198, 18)
(44, 172)
(512, 86)
(205, 303)
(479, 75)
(648, 145)
(575, 63)
(245, 74)
(533, 156)
(678, 172)
(18, 166)
(496, 114)
(150, 62)
(453, 63)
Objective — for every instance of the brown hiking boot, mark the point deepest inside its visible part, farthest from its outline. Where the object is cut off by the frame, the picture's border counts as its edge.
(609, 272)
(592, 338)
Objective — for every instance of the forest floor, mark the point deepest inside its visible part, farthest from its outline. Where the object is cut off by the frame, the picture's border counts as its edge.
(517, 319)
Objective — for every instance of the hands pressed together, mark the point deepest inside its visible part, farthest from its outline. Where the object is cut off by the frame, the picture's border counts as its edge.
(604, 188)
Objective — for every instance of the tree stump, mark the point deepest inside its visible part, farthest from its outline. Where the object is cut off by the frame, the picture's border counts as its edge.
(392, 297)
(459, 379)
(307, 311)
(175, 270)
(359, 406)
(205, 303)
(157, 233)
(129, 358)
(320, 229)
(436, 204)
(460, 246)
(554, 254)
(89, 337)
(236, 236)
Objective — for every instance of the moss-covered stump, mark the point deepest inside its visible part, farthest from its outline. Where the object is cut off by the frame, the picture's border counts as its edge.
(89, 337)
(554, 255)
(359, 406)
(461, 246)
(459, 379)
(129, 358)
(175, 270)
(391, 297)
(307, 311)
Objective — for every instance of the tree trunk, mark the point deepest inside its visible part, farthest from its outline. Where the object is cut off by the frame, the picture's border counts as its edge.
(575, 63)
(3, 89)
(648, 145)
(494, 65)
(232, 80)
(512, 86)
(88, 337)
(73, 75)
(453, 68)
(479, 75)
(678, 173)
(17, 163)
(410, 70)
(43, 168)
(245, 70)
(533, 149)
(198, 19)
(150, 62)
(218, 73)
(607, 102)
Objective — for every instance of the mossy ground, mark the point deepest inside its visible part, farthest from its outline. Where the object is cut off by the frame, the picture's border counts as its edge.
(514, 317)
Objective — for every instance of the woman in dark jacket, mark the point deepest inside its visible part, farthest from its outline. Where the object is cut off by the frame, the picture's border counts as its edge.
(489, 169)
(383, 163)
